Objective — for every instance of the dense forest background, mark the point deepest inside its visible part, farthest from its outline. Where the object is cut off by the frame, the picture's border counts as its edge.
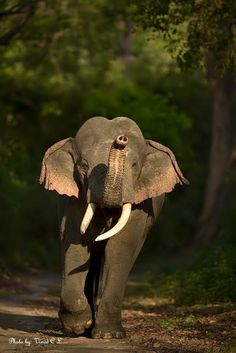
(155, 62)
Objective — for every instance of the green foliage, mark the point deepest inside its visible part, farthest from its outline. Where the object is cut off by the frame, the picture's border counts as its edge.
(166, 324)
(211, 279)
(197, 31)
(158, 119)
(76, 60)
(69, 64)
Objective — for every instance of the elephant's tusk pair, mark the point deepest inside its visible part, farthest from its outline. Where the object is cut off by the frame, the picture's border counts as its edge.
(126, 210)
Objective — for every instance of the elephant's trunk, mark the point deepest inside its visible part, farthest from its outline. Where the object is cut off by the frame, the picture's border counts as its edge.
(112, 196)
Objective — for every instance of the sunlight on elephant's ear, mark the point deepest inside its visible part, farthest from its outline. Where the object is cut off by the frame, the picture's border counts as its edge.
(160, 173)
(58, 169)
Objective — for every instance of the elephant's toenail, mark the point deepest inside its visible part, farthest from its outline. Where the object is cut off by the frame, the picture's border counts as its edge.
(67, 330)
(107, 335)
(120, 334)
(78, 330)
(97, 335)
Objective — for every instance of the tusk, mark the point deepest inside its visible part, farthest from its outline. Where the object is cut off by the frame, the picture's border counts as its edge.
(87, 217)
(126, 210)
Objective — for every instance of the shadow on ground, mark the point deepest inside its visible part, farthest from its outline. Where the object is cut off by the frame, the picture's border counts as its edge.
(29, 323)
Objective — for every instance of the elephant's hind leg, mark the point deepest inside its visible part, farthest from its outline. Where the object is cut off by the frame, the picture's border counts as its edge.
(120, 254)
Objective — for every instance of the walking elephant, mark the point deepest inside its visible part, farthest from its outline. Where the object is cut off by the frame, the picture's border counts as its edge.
(112, 183)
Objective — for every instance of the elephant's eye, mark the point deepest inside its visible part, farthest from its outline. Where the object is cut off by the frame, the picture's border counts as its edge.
(134, 164)
(83, 166)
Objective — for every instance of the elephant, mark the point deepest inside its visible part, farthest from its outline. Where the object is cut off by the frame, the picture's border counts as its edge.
(112, 184)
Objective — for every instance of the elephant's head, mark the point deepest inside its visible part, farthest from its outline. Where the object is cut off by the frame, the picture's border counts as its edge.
(110, 164)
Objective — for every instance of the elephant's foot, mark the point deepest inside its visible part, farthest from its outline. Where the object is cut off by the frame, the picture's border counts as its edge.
(75, 322)
(108, 331)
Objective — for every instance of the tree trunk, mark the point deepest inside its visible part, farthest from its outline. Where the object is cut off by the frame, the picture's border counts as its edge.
(220, 156)
(126, 46)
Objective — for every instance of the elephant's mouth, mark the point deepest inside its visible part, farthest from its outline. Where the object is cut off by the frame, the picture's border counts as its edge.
(125, 214)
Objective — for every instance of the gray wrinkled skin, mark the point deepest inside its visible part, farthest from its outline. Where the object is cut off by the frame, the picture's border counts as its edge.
(94, 274)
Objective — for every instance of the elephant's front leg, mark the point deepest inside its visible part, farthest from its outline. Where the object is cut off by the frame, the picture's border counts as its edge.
(120, 254)
(75, 312)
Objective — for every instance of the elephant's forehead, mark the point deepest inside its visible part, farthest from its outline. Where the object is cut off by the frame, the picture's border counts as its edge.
(99, 153)
(98, 133)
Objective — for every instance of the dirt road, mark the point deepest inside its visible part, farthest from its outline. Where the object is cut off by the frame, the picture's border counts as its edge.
(28, 323)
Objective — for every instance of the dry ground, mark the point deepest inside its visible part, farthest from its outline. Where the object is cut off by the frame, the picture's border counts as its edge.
(28, 323)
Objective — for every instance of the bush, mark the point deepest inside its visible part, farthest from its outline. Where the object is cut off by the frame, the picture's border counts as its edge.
(211, 279)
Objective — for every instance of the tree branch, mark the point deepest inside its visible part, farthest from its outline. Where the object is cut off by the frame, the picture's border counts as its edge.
(29, 7)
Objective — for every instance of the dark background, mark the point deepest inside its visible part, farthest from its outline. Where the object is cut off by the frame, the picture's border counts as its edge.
(64, 62)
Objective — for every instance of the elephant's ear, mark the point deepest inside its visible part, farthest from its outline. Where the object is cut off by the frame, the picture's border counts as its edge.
(57, 171)
(160, 173)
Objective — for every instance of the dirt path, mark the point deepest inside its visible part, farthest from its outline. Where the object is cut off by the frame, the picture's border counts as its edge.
(28, 323)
